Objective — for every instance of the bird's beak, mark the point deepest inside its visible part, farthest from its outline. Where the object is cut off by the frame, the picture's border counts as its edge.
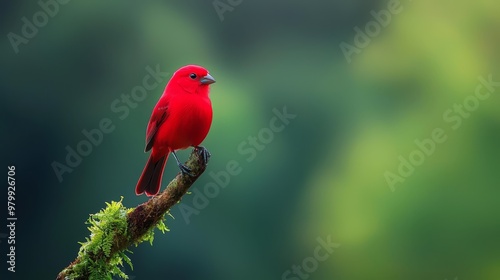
(207, 80)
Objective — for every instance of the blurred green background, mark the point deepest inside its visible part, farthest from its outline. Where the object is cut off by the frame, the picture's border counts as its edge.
(323, 175)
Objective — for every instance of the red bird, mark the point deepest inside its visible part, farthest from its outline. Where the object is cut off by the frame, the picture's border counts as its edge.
(181, 119)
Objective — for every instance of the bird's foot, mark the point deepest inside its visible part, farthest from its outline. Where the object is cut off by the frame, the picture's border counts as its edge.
(204, 154)
(185, 170)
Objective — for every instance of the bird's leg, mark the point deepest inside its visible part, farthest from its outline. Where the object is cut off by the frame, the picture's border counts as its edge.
(184, 169)
(204, 153)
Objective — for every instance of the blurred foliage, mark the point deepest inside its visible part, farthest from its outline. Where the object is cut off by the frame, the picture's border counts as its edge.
(322, 175)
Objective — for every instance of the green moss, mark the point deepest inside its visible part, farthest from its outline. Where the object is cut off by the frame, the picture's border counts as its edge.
(96, 259)
(149, 236)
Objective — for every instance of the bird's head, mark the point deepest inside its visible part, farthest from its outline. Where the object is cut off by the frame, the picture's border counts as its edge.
(193, 79)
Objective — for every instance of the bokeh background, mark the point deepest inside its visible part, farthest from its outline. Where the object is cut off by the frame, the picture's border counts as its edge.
(323, 175)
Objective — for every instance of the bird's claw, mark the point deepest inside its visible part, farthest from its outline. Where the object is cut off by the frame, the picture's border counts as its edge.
(185, 170)
(204, 154)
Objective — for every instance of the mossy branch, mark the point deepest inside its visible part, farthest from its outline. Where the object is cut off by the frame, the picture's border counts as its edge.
(116, 228)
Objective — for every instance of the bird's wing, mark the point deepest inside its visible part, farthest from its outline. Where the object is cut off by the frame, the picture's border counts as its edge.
(159, 116)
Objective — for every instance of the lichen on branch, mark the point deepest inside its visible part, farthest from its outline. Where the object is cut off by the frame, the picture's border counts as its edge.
(116, 227)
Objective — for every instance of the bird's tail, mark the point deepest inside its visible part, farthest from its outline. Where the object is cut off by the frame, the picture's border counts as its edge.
(151, 176)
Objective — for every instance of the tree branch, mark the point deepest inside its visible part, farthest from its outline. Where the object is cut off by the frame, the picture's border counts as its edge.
(144, 217)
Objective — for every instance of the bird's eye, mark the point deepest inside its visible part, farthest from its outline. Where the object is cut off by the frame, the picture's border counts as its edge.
(192, 76)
